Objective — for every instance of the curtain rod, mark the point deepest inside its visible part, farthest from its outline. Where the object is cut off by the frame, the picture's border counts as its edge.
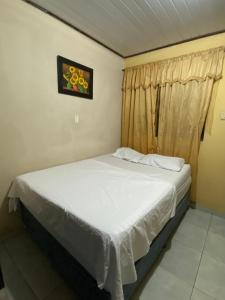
(175, 57)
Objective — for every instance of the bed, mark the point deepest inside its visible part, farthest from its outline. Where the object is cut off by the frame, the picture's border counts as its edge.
(100, 216)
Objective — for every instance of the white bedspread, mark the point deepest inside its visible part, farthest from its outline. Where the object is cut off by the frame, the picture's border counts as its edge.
(105, 216)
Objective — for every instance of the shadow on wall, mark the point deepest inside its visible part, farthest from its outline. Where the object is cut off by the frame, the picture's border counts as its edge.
(9, 222)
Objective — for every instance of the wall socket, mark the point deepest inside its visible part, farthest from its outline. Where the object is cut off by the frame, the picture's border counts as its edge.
(76, 118)
(222, 115)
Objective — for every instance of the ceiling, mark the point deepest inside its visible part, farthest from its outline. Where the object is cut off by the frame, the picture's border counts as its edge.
(130, 27)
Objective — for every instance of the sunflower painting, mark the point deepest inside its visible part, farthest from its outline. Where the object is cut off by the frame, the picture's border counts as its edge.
(74, 79)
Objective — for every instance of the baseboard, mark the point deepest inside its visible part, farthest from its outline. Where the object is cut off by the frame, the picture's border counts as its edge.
(195, 205)
(9, 235)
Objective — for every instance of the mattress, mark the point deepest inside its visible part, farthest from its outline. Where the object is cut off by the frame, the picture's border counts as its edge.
(104, 211)
(181, 180)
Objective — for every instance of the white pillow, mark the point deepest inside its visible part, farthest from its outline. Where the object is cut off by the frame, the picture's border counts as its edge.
(162, 161)
(128, 154)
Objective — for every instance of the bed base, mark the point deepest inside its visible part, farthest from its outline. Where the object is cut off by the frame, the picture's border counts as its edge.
(76, 276)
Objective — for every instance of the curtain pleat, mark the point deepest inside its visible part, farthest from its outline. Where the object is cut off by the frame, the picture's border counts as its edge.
(183, 110)
(138, 119)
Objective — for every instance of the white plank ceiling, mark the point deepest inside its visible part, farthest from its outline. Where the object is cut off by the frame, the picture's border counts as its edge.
(133, 26)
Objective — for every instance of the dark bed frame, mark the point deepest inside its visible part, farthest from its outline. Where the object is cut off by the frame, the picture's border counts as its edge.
(74, 273)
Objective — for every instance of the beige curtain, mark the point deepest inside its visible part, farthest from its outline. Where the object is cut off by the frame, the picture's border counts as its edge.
(185, 84)
(183, 110)
(138, 119)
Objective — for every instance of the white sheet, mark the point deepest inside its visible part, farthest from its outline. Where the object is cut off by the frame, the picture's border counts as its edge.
(181, 180)
(105, 216)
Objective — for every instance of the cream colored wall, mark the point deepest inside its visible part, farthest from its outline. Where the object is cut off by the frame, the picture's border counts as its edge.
(37, 126)
(211, 175)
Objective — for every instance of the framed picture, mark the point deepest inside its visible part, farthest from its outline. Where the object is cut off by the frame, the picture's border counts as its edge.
(74, 79)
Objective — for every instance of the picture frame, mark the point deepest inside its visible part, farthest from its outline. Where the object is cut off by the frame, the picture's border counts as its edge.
(74, 79)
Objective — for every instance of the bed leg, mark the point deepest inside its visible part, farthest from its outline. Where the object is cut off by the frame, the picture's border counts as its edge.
(164, 246)
(1, 279)
(167, 245)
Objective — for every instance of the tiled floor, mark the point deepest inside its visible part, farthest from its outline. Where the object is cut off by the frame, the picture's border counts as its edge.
(191, 268)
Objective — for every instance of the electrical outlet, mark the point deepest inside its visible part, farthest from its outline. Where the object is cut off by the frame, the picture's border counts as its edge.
(76, 118)
(222, 115)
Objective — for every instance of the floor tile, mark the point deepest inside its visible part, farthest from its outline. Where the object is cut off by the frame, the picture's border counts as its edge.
(3, 294)
(9, 295)
(164, 285)
(199, 295)
(34, 265)
(20, 243)
(198, 218)
(62, 293)
(191, 235)
(211, 278)
(181, 261)
(215, 246)
(217, 225)
(10, 235)
(29, 275)
(8, 267)
(14, 281)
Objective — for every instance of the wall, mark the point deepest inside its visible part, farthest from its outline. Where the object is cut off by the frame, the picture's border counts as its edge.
(37, 128)
(211, 175)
